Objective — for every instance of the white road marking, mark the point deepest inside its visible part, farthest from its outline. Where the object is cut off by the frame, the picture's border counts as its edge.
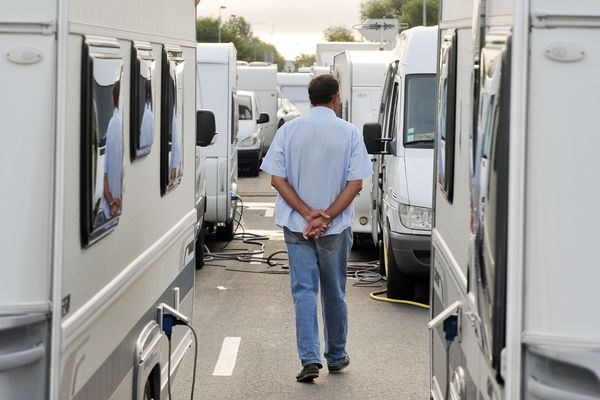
(221, 288)
(255, 262)
(268, 207)
(228, 356)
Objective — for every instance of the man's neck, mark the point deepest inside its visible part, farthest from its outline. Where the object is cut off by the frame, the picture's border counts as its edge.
(330, 105)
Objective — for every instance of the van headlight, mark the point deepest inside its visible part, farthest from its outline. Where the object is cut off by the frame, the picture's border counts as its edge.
(249, 141)
(418, 218)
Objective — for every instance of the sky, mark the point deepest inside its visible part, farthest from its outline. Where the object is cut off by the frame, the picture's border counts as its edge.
(293, 26)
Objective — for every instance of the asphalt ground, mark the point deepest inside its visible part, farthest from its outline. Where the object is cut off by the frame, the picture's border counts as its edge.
(387, 343)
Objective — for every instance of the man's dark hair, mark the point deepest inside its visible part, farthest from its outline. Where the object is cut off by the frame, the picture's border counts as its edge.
(322, 88)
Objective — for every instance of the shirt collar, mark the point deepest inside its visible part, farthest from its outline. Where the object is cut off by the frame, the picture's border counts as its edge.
(321, 110)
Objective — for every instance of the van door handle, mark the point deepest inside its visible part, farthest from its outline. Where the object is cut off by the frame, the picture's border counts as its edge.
(542, 391)
(21, 358)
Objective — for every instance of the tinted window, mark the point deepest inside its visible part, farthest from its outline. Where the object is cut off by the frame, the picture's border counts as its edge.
(142, 99)
(245, 108)
(446, 114)
(419, 109)
(171, 118)
(101, 138)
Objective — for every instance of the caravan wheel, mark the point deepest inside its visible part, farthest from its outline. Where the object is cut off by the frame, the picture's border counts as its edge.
(148, 391)
(400, 286)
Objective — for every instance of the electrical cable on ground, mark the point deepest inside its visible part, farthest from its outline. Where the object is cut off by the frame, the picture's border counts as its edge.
(365, 272)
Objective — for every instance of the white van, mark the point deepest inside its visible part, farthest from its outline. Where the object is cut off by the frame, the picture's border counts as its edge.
(361, 75)
(294, 87)
(326, 51)
(402, 195)
(251, 135)
(515, 238)
(262, 80)
(86, 276)
(216, 79)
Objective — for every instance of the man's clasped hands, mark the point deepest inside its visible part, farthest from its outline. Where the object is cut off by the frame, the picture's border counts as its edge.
(317, 222)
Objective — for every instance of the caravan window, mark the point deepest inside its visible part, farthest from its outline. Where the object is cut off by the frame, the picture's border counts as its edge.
(101, 138)
(446, 114)
(492, 191)
(142, 99)
(419, 110)
(234, 117)
(171, 132)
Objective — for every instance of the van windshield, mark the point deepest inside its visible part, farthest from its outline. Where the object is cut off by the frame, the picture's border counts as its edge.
(419, 109)
(245, 108)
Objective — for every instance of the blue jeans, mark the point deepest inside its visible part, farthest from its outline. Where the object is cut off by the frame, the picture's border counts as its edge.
(323, 261)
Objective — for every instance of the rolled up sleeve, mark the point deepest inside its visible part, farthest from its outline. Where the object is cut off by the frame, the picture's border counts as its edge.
(360, 166)
(274, 161)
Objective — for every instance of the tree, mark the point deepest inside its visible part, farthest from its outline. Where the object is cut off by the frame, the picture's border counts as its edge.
(304, 60)
(382, 9)
(408, 11)
(413, 12)
(239, 32)
(338, 34)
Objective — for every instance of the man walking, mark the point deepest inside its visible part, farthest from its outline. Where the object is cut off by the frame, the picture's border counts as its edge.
(317, 163)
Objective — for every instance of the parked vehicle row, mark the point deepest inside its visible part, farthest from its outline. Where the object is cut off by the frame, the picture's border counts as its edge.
(514, 263)
(98, 230)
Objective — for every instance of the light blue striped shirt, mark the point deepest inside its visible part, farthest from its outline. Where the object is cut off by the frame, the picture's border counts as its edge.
(317, 154)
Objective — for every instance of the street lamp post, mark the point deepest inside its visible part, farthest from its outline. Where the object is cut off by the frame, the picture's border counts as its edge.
(220, 9)
(424, 12)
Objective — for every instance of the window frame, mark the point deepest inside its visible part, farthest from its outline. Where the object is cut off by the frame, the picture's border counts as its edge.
(171, 56)
(94, 48)
(140, 51)
(446, 139)
(405, 143)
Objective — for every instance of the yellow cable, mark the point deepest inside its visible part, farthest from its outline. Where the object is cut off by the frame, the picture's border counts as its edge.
(374, 296)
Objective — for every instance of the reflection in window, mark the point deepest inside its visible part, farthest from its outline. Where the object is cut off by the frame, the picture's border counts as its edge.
(446, 114)
(102, 138)
(245, 108)
(143, 77)
(171, 118)
(419, 109)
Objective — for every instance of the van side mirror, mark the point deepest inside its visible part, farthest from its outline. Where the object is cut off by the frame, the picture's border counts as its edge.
(263, 118)
(205, 127)
(372, 138)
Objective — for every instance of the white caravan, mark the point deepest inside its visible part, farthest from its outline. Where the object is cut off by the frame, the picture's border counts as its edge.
(515, 270)
(326, 51)
(251, 136)
(402, 190)
(216, 79)
(86, 276)
(361, 75)
(316, 70)
(262, 80)
(294, 87)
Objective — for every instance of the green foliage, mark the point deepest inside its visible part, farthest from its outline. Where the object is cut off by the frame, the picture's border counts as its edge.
(239, 32)
(382, 9)
(338, 34)
(408, 11)
(413, 12)
(304, 60)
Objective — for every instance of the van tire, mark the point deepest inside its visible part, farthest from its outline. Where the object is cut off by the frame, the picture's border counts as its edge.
(400, 286)
(199, 249)
(255, 168)
(225, 233)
